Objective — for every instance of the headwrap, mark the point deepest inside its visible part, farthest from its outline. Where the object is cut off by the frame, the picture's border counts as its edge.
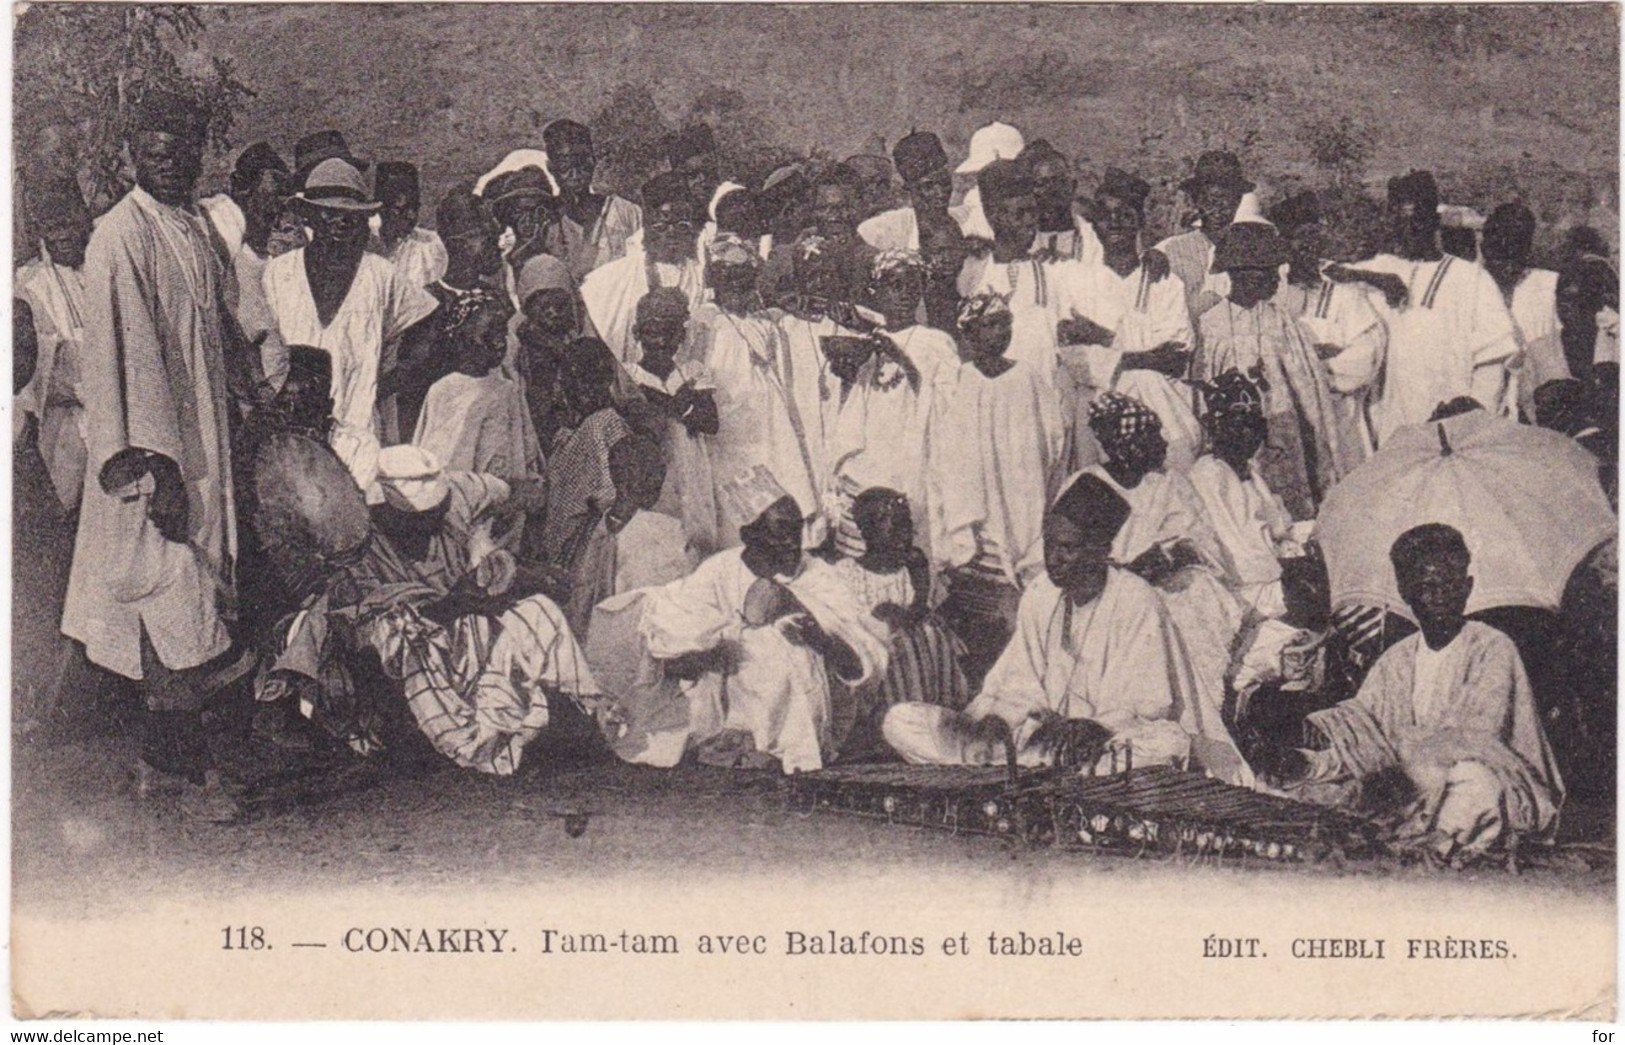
(918, 155)
(543, 272)
(1296, 211)
(1231, 393)
(1120, 184)
(892, 259)
(1094, 507)
(1249, 245)
(517, 160)
(167, 112)
(751, 493)
(1115, 419)
(1417, 187)
(662, 303)
(412, 478)
(729, 249)
(394, 179)
(1003, 179)
(463, 307)
(985, 305)
(1216, 167)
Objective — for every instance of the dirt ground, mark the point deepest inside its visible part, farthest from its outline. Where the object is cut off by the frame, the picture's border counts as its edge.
(328, 819)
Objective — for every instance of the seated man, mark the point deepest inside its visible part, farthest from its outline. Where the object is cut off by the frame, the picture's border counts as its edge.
(736, 656)
(450, 616)
(1446, 720)
(1093, 666)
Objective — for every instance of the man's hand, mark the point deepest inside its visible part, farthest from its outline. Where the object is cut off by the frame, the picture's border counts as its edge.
(1326, 350)
(1081, 330)
(690, 666)
(894, 616)
(168, 509)
(802, 630)
(1156, 266)
(524, 495)
(1393, 288)
(1070, 741)
(1170, 359)
(1152, 565)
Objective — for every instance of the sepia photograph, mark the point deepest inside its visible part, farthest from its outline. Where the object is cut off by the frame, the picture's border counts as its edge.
(828, 511)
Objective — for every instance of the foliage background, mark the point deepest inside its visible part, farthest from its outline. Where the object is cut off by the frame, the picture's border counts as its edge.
(1500, 101)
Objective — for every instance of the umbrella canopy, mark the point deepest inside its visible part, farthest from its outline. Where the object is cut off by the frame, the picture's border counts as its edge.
(1527, 500)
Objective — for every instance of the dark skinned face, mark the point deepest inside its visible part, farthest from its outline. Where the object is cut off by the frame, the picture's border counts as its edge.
(1014, 219)
(662, 336)
(335, 231)
(1217, 205)
(1306, 245)
(399, 217)
(701, 173)
(305, 400)
(986, 338)
(1237, 437)
(641, 484)
(671, 231)
(67, 244)
(167, 166)
(889, 532)
(572, 164)
(1116, 221)
(1249, 286)
(261, 206)
(1053, 190)
(475, 252)
(1137, 456)
(1074, 561)
(835, 211)
(897, 295)
(932, 191)
(775, 537)
(549, 314)
(1436, 591)
(1412, 228)
(483, 342)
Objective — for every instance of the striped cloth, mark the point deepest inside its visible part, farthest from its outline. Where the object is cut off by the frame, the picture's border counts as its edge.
(579, 486)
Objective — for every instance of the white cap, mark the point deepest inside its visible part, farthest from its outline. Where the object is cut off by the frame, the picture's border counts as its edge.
(996, 141)
(411, 478)
(750, 493)
(1249, 210)
(517, 160)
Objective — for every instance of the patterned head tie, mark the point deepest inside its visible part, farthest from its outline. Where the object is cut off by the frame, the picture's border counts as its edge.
(890, 261)
(1232, 394)
(982, 306)
(729, 249)
(469, 303)
(1117, 419)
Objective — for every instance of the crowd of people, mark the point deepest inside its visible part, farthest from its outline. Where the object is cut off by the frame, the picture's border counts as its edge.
(887, 459)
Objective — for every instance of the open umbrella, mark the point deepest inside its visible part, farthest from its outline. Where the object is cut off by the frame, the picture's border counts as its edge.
(1526, 499)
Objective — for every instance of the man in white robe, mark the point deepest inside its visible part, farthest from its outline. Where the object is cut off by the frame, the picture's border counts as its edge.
(1216, 190)
(736, 655)
(995, 141)
(595, 230)
(53, 285)
(1531, 296)
(419, 254)
(379, 306)
(1094, 667)
(665, 258)
(1453, 336)
(923, 165)
(1450, 708)
(152, 585)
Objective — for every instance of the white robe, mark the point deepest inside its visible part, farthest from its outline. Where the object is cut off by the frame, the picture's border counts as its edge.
(775, 690)
(1040, 294)
(757, 422)
(476, 424)
(895, 229)
(890, 434)
(612, 291)
(56, 294)
(1143, 314)
(420, 257)
(1114, 660)
(1453, 337)
(1343, 315)
(1540, 335)
(379, 306)
(998, 473)
(813, 390)
(690, 490)
(1253, 528)
(153, 376)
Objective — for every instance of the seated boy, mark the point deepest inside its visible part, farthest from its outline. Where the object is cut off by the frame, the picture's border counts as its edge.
(1446, 719)
(473, 419)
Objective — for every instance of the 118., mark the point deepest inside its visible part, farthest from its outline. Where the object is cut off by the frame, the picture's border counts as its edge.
(244, 938)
